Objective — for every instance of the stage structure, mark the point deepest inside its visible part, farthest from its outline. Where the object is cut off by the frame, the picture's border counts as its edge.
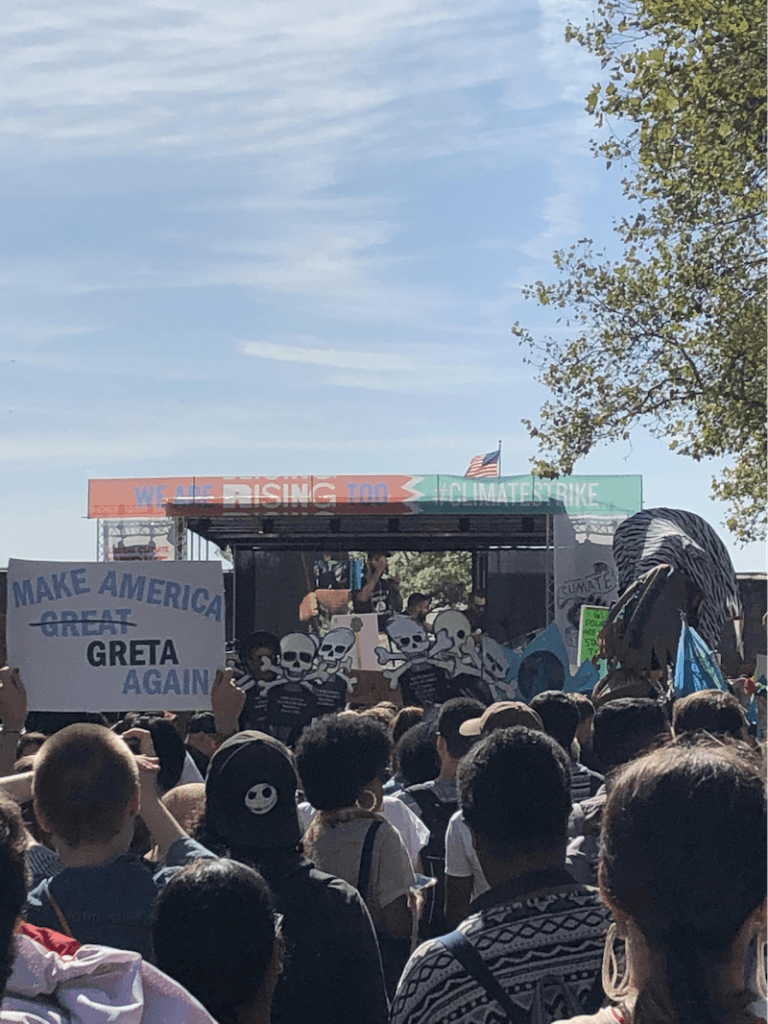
(520, 530)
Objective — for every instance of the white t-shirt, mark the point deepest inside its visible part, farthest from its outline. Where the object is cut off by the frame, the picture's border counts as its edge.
(338, 849)
(413, 831)
(460, 857)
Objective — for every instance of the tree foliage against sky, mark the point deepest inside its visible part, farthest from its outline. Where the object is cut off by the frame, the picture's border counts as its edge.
(671, 334)
(444, 576)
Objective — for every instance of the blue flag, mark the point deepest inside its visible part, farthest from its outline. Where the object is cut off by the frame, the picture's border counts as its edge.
(695, 668)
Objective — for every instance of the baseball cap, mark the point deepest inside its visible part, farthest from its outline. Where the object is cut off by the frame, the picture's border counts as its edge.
(250, 792)
(502, 715)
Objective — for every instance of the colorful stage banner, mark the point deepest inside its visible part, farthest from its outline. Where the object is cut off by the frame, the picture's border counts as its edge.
(378, 495)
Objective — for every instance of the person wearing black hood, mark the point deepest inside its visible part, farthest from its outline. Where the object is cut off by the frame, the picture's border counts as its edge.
(332, 972)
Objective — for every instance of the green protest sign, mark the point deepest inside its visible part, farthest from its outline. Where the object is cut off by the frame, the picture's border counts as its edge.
(591, 621)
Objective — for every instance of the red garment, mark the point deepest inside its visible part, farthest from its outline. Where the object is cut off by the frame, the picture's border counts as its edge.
(49, 939)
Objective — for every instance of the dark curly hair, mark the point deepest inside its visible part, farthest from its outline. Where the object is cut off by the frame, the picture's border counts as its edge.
(337, 757)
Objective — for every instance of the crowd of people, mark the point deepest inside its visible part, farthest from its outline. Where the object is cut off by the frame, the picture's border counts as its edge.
(469, 863)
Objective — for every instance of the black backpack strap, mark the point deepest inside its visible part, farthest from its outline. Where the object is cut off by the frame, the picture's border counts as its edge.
(366, 858)
(459, 946)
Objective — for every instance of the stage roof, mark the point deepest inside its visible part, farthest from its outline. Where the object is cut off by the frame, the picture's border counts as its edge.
(418, 513)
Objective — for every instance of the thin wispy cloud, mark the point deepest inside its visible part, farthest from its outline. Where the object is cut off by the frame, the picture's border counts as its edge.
(424, 372)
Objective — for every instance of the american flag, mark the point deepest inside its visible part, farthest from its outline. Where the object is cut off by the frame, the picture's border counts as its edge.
(485, 465)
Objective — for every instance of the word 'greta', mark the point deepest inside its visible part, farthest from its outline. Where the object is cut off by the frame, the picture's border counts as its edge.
(135, 652)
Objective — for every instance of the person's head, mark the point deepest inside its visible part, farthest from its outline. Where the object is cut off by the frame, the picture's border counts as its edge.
(215, 931)
(13, 883)
(385, 712)
(29, 743)
(201, 733)
(452, 744)
(682, 868)
(50, 722)
(415, 756)
(714, 711)
(187, 804)
(404, 719)
(86, 786)
(338, 758)
(250, 795)
(626, 727)
(377, 560)
(477, 600)
(502, 715)
(586, 710)
(258, 645)
(418, 607)
(515, 794)
(168, 744)
(559, 715)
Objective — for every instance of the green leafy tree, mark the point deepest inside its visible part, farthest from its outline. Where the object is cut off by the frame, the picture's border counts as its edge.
(445, 576)
(671, 334)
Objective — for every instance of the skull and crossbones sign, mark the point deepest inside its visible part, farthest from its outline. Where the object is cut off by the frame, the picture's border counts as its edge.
(413, 647)
(334, 656)
(298, 661)
(495, 670)
(458, 653)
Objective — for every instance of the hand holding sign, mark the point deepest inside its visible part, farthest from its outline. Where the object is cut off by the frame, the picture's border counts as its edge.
(227, 701)
(144, 744)
(13, 700)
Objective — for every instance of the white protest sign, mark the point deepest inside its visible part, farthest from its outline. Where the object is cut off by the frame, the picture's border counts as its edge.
(100, 636)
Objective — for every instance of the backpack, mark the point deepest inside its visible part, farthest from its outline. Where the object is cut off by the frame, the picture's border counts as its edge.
(435, 814)
(459, 946)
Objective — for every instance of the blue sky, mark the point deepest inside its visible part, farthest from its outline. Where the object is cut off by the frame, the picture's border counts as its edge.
(286, 237)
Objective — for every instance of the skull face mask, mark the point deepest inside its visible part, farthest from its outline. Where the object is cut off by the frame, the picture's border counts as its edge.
(261, 798)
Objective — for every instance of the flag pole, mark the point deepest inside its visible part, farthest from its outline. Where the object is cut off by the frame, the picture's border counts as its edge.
(499, 457)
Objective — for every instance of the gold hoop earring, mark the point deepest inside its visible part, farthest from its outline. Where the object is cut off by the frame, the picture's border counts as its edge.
(372, 795)
(614, 986)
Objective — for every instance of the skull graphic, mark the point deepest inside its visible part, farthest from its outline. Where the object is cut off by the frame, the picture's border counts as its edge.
(297, 656)
(335, 646)
(409, 636)
(413, 645)
(496, 669)
(261, 798)
(495, 664)
(462, 655)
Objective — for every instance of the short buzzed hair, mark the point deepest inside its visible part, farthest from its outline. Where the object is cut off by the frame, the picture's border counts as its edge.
(559, 715)
(85, 777)
(452, 715)
(714, 711)
(625, 728)
(515, 791)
